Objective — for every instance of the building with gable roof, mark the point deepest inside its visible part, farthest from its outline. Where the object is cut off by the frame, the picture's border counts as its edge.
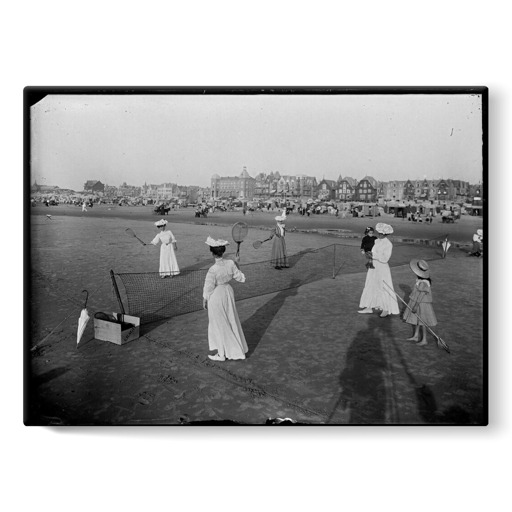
(346, 188)
(367, 190)
(94, 186)
(326, 190)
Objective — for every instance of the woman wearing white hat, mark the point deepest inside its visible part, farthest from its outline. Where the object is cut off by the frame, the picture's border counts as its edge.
(168, 261)
(279, 259)
(376, 294)
(225, 334)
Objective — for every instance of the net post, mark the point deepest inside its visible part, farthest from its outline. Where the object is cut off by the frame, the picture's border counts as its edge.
(116, 289)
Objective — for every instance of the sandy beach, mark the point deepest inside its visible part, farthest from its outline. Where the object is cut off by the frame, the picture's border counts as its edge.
(311, 357)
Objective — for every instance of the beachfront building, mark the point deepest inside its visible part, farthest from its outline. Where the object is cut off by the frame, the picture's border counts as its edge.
(167, 191)
(367, 190)
(443, 192)
(346, 188)
(125, 190)
(393, 190)
(110, 191)
(326, 190)
(459, 190)
(424, 190)
(94, 187)
(291, 186)
(149, 191)
(307, 186)
(262, 186)
(409, 191)
(286, 186)
(233, 187)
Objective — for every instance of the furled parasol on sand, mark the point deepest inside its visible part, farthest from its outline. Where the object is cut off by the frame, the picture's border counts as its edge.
(446, 245)
(82, 321)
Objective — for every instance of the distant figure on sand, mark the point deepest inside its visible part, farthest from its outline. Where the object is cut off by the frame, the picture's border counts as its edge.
(279, 259)
(168, 261)
(84, 209)
(225, 334)
(376, 294)
(478, 243)
(420, 303)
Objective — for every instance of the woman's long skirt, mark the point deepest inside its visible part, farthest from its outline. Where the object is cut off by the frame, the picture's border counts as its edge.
(376, 294)
(224, 329)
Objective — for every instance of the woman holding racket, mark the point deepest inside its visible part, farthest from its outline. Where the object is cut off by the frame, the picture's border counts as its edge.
(168, 261)
(279, 259)
(225, 333)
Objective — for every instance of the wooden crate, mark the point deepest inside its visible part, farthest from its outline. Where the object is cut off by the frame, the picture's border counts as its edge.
(110, 331)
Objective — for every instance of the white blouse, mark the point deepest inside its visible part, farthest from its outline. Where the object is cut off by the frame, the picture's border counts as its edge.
(221, 273)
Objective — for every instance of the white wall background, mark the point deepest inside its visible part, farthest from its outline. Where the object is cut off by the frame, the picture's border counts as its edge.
(265, 43)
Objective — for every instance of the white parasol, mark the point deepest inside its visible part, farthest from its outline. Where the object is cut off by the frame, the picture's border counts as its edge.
(82, 321)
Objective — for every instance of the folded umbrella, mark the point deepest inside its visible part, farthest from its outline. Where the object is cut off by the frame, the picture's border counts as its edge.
(82, 321)
(446, 245)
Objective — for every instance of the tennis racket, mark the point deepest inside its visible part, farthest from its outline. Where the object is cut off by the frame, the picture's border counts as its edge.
(239, 232)
(132, 233)
(258, 243)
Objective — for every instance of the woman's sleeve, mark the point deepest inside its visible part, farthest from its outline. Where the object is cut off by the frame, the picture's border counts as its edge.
(238, 275)
(209, 284)
(155, 240)
(173, 239)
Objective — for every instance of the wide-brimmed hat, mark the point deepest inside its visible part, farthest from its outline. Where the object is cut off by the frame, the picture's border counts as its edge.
(282, 217)
(480, 232)
(161, 223)
(383, 228)
(216, 243)
(420, 268)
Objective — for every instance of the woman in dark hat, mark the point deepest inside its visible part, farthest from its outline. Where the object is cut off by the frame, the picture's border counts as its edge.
(420, 309)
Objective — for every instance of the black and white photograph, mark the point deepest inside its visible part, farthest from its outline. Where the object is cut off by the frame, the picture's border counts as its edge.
(256, 256)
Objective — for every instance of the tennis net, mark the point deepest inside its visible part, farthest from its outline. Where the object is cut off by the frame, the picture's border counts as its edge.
(152, 298)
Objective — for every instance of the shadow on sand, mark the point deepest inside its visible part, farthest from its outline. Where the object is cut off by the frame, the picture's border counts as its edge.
(255, 326)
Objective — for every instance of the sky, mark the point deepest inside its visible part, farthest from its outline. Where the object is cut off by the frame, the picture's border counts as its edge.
(185, 139)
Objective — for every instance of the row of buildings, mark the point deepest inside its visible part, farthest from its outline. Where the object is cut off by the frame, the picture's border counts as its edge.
(344, 189)
(291, 187)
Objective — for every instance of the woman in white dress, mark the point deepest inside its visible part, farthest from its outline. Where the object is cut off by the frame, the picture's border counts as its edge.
(376, 294)
(168, 261)
(225, 333)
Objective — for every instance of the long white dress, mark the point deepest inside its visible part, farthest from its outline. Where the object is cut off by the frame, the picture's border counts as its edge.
(224, 329)
(168, 261)
(375, 293)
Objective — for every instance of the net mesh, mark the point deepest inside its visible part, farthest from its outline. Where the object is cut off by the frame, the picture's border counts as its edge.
(152, 298)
